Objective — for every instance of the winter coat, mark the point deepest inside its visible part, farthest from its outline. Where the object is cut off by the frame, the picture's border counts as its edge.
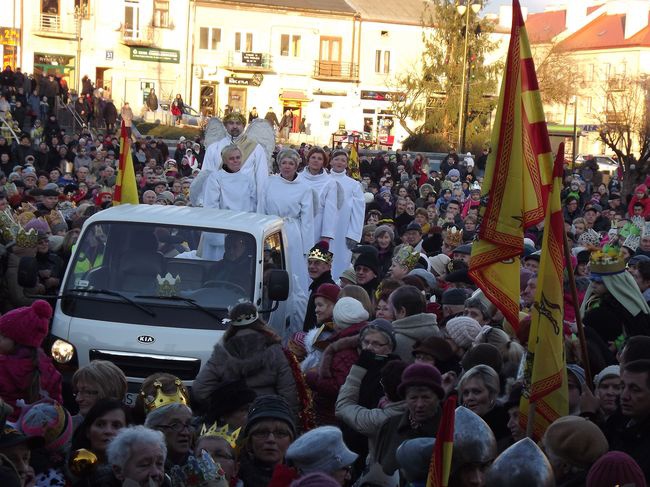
(17, 293)
(633, 438)
(16, 376)
(339, 356)
(310, 314)
(110, 112)
(249, 356)
(412, 329)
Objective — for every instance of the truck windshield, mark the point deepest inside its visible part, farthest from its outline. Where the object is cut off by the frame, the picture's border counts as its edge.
(197, 269)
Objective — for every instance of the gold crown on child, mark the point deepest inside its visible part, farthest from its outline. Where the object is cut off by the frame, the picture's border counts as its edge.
(162, 399)
(223, 432)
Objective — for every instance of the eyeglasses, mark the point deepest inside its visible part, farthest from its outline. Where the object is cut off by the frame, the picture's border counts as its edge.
(176, 427)
(371, 343)
(262, 434)
(86, 392)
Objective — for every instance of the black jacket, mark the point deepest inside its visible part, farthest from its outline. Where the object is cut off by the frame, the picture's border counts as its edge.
(310, 315)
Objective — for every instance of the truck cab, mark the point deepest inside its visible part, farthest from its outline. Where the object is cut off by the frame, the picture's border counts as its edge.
(148, 286)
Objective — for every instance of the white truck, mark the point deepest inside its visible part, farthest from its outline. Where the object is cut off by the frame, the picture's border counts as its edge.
(147, 286)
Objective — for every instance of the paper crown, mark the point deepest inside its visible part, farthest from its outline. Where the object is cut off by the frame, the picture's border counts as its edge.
(223, 432)
(407, 256)
(632, 242)
(26, 239)
(321, 251)
(453, 237)
(589, 239)
(161, 399)
(53, 218)
(25, 217)
(168, 285)
(607, 261)
(244, 319)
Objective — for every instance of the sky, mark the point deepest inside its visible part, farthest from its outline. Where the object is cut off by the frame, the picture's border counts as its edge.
(533, 5)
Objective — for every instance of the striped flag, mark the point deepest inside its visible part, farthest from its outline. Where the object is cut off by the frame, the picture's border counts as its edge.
(545, 372)
(126, 190)
(517, 177)
(353, 163)
(440, 466)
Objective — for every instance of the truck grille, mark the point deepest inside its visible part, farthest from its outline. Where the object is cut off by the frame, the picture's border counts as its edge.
(140, 365)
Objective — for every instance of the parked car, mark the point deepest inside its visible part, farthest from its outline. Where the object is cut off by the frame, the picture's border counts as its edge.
(606, 164)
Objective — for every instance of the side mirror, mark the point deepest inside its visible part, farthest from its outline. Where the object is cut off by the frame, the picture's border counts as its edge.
(27, 272)
(278, 285)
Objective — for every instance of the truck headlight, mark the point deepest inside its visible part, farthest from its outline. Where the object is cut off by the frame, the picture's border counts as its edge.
(62, 351)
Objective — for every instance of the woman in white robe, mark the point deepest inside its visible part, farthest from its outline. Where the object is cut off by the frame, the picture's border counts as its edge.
(349, 218)
(290, 198)
(326, 190)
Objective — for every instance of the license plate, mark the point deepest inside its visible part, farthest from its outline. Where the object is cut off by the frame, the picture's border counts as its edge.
(129, 398)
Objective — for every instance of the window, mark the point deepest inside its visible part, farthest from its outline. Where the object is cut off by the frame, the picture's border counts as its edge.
(161, 13)
(290, 45)
(590, 72)
(243, 41)
(588, 103)
(607, 70)
(209, 38)
(132, 19)
(382, 61)
(83, 7)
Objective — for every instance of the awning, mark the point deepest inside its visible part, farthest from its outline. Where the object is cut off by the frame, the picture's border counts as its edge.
(294, 95)
(563, 130)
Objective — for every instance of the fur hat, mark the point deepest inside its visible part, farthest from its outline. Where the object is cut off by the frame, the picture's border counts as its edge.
(369, 260)
(615, 468)
(463, 330)
(27, 325)
(269, 406)
(349, 311)
(49, 420)
(423, 375)
(575, 440)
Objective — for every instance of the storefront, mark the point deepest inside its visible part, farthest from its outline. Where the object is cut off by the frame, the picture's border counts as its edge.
(9, 41)
(293, 101)
(61, 65)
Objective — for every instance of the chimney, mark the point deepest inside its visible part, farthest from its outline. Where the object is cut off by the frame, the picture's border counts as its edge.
(505, 15)
(636, 16)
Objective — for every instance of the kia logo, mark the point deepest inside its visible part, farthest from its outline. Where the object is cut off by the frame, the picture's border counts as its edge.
(146, 339)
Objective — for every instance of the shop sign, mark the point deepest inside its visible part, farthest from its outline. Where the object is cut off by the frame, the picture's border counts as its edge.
(9, 36)
(255, 80)
(53, 59)
(251, 58)
(155, 55)
(381, 95)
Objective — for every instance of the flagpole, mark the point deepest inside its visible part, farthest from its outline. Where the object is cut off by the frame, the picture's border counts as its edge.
(531, 420)
(576, 305)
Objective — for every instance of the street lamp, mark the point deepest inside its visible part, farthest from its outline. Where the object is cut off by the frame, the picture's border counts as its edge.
(574, 102)
(474, 6)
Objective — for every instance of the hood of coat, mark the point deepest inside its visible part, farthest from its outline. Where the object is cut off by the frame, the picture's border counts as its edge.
(417, 326)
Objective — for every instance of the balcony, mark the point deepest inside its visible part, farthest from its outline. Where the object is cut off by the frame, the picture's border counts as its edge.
(616, 84)
(249, 62)
(336, 71)
(56, 26)
(615, 117)
(133, 36)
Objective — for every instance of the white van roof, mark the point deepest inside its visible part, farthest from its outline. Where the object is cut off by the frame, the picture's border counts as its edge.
(253, 223)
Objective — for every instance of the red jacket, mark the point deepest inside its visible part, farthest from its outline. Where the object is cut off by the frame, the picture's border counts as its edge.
(16, 375)
(645, 201)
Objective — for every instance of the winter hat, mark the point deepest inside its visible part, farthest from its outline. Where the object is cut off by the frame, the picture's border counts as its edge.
(348, 311)
(328, 291)
(49, 420)
(483, 354)
(615, 468)
(493, 336)
(578, 372)
(463, 330)
(381, 229)
(384, 327)
(454, 172)
(317, 479)
(425, 275)
(369, 260)
(27, 325)
(436, 347)
(439, 263)
(454, 297)
(575, 440)
(423, 375)
(609, 371)
(321, 450)
(38, 224)
(269, 406)
(349, 275)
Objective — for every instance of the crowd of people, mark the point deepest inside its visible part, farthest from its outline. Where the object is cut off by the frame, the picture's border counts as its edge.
(386, 324)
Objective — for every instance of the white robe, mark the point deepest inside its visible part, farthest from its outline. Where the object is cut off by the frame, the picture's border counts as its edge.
(349, 221)
(257, 164)
(326, 191)
(293, 202)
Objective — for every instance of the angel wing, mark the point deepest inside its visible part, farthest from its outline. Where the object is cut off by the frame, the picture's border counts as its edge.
(261, 132)
(214, 131)
(197, 187)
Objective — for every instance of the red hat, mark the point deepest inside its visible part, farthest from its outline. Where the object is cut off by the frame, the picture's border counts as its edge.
(27, 325)
(423, 375)
(615, 468)
(328, 291)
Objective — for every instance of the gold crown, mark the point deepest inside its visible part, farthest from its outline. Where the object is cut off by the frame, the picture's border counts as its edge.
(8, 227)
(223, 432)
(53, 218)
(318, 252)
(26, 239)
(407, 256)
(245, 319)
(453, 237)
(168, 285)
(607, 261)
(25, 217)
(162, 399)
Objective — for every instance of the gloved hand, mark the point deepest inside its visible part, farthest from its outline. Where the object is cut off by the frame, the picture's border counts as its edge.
(370, 360)
(351, 244)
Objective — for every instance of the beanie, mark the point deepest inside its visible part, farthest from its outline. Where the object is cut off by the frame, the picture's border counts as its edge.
(27, 325)
(381, 229)
(615, 468)
(316, 479)
(483, 354)
(369, 260)
(439, 264)
(463, 330)
(348, 311)
(421, 375)
(454, 172)
(576, 440)
(454, 297)
(49, 420)
(328, 291)
(579, 373)
(269, 406)
(609, 371)
(382, 326)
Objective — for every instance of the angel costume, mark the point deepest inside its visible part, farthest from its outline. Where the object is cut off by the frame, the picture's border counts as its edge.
(293, 202)
(348, 221)
(326, 191)
(230, 190)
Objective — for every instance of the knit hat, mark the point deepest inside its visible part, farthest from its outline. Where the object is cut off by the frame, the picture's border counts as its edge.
(609, 371)
(49, 420)
(328, 291)
(316, 479)
(483, 354)
(463, 330)
(579, 374)
(615, 468)
(369, 260)
(422, 375)
(271, 407)
(27, 325)
(321, 450)
(348, 311)
(383, 326)
(381, 229)
(454, 297)
(453, 172)
(439, 263)
(575, 440)
(38, 224)
(425, 275)
(349, 275)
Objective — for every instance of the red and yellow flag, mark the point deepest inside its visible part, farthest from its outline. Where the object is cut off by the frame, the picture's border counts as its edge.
(440, 466)
(545, 372)
(126, 190)
(517, 177)
(353, 162)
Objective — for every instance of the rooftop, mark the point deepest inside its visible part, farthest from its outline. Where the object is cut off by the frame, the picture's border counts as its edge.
(606, 32)
(333, 6)
(391, 11)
